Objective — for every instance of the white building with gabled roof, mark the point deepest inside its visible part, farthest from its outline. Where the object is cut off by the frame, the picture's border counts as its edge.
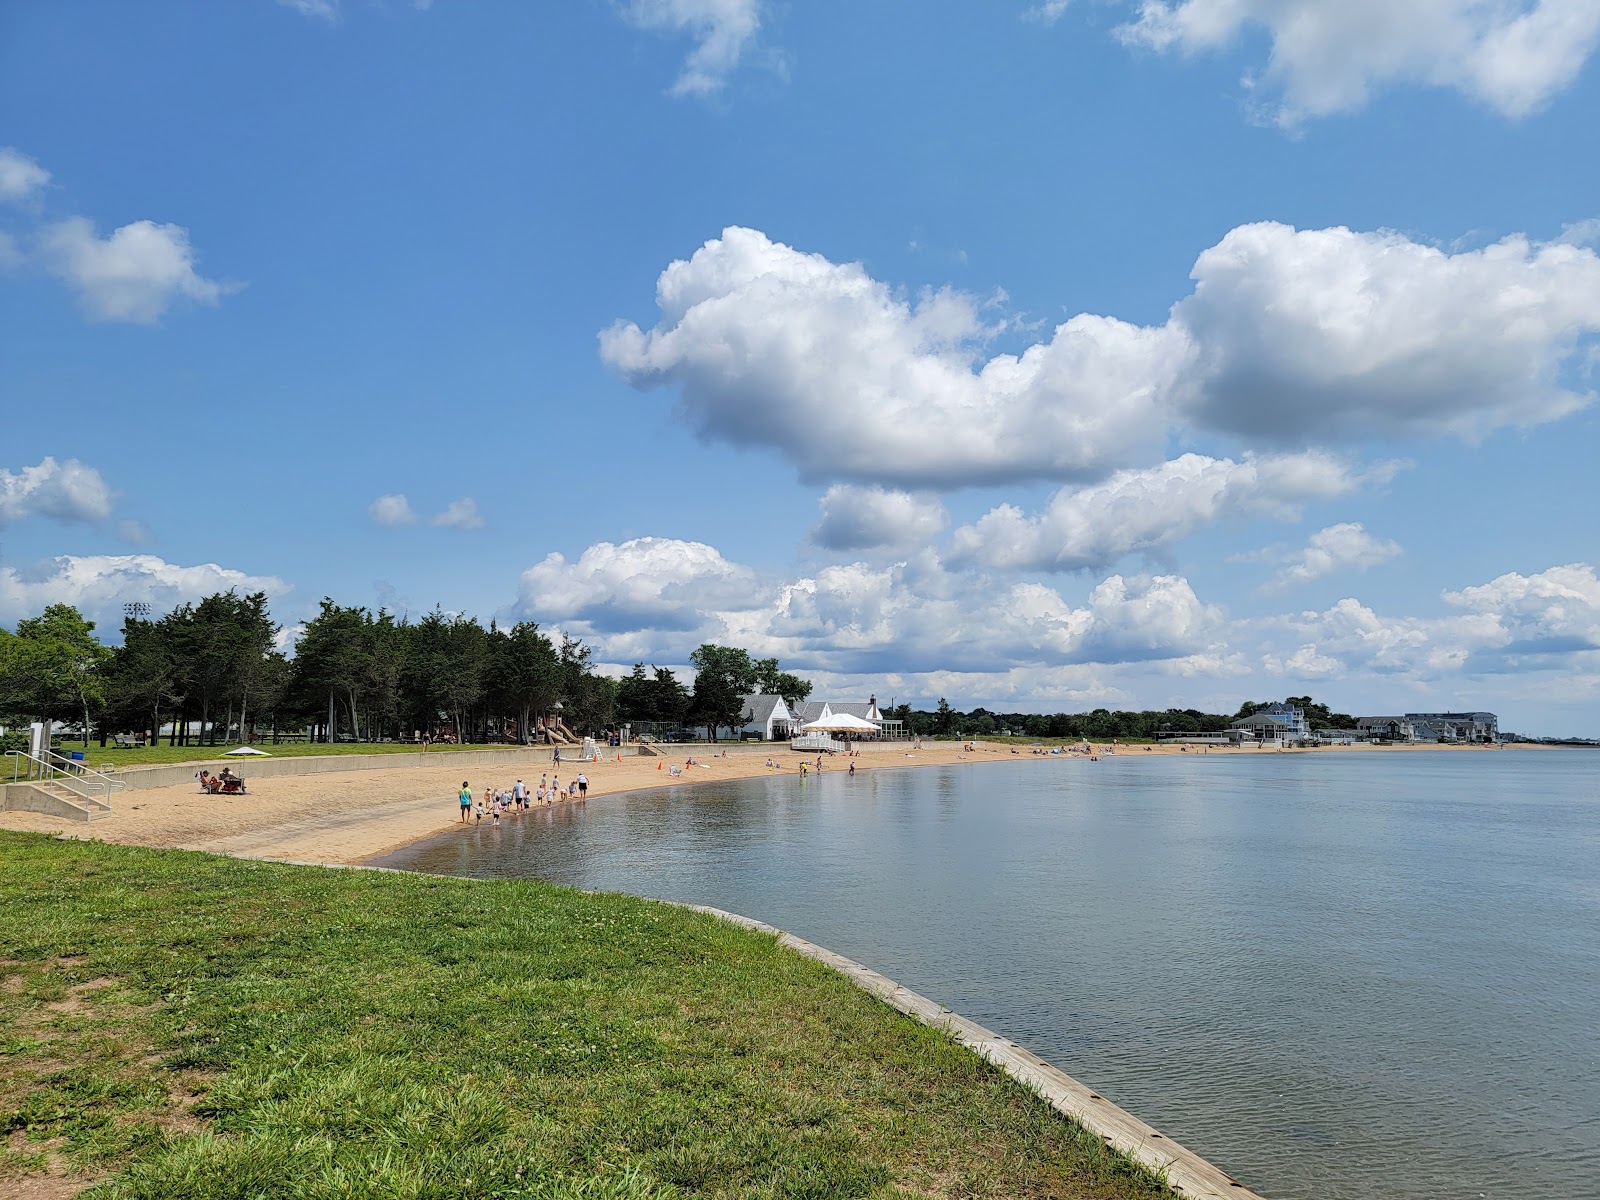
(770, 717)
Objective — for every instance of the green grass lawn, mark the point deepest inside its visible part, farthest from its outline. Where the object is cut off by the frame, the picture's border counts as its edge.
(175, 1024)
(145, 756)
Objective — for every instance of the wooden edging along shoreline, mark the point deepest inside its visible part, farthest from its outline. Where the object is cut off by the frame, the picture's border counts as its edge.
(1184, 1171)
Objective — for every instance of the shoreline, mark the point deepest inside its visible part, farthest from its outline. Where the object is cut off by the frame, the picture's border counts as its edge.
(339, 811)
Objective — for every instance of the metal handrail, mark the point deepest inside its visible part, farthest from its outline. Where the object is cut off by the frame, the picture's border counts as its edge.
(67, 777)
(78, 769)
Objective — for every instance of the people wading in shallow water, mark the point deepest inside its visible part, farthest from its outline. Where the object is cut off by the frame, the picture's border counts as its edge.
(466, 799)
(852, 770)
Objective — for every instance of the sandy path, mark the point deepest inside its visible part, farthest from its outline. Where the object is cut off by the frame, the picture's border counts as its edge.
(347, 817)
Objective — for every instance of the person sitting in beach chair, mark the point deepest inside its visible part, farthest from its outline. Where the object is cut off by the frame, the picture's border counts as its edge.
(208, 782)
(230, 784)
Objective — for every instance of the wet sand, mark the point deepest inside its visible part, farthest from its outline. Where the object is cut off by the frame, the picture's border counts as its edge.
(353, 816)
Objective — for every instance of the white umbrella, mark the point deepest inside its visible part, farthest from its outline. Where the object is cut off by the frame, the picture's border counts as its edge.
(246, 752)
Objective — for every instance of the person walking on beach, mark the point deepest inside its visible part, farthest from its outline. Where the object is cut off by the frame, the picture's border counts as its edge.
(466, 800)
(852, 770)
(583, 786)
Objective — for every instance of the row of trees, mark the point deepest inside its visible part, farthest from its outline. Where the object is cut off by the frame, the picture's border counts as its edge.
(212, 671)
(1102, 724)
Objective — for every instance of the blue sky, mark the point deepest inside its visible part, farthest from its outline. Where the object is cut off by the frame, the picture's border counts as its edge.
(1034, 355)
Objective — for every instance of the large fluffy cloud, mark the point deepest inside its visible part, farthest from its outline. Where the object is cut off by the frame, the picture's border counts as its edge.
(1554, 612)
(659, 597)
(773, 347)
(1329, 57)
(919, 630)
(63, 491)
(1144, 510)
(1329, 332)
(657, 583)
(1291, 335)
(722, 31)
(1549, 620)
(134, 275)
(874, 518)
(100, 584)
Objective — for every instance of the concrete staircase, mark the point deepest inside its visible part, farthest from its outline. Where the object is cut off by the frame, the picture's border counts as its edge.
(57, 786)
(55, 799)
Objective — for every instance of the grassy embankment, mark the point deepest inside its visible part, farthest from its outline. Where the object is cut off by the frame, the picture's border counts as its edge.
(184, 1025)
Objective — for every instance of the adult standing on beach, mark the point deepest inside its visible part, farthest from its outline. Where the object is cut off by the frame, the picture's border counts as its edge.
(466, 800)
(583, 786)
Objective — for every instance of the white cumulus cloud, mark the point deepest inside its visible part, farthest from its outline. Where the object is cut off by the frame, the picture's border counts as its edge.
(20, 176)
(1143, 510)
(1555, 611)
(773, 347)
(875, 518)
(1289, 336)
(99, 585)
(63, 491)
(135, 275)
(1328, 57)
(722, 31)
(1332, 333)
(1334, 550)
(657, 598)
(649, 582)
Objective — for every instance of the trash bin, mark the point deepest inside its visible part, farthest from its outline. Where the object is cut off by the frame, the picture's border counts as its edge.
(76, 756)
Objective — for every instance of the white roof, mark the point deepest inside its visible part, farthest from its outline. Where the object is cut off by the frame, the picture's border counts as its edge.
(841, 723)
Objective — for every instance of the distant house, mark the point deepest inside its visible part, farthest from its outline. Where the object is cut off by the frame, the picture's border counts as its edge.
(768, 717)
(1387, 729)
(1280, 723)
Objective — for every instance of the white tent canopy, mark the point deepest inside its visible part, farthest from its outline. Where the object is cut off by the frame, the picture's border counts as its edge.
(840, 723)
(246, 752)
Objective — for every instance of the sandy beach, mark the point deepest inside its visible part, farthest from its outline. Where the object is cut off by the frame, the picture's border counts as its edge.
(351, 816)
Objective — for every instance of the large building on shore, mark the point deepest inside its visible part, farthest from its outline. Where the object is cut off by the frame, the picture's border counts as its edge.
(1284, 724)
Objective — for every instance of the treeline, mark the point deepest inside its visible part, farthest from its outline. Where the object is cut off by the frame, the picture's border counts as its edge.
(1100, 724)
(214, 671)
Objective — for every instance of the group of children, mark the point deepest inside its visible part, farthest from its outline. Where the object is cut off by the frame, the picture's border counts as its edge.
(519, 798)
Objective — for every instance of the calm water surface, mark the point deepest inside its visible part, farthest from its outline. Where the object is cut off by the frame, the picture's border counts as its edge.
(1336, 975)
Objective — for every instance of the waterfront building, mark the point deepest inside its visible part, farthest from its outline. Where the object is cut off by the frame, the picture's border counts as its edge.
(1284, 724)
(767, 717)
(1455, 726)
(1387, 729)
